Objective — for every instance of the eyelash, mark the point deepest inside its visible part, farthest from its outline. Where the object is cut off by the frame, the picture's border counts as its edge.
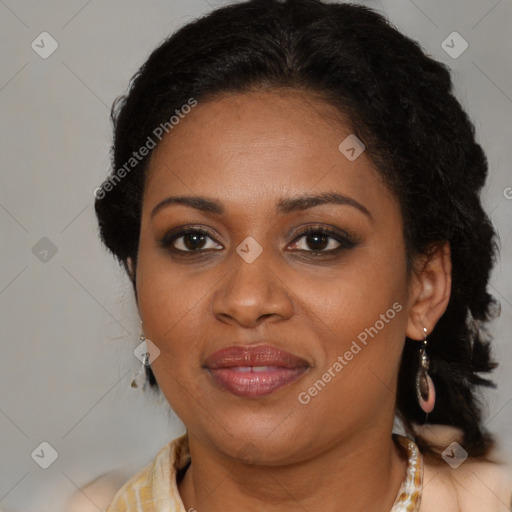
(345, 240)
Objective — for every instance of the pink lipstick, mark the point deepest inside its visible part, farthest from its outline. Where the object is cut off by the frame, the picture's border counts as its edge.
(256, 371)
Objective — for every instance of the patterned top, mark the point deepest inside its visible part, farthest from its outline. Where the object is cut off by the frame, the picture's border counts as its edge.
(409, 495)
(155, 487)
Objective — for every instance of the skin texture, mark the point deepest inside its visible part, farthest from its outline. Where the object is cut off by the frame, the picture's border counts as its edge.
(248, 151)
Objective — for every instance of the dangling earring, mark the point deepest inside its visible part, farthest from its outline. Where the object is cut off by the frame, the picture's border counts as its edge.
(139, 381)
(425, 389)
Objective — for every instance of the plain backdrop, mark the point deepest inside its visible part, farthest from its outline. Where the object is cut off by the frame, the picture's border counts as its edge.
(68, 319)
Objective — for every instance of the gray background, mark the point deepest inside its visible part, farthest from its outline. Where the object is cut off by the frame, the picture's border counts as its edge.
(68, 320)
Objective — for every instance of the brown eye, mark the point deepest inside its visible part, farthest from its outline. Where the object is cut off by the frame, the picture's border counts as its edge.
(323, 240)
(189, 240)
(319, 242)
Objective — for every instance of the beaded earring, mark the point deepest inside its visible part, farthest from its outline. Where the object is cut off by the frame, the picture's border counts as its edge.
(425, 390)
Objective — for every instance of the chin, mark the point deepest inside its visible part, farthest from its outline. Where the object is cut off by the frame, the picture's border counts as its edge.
(263, 440)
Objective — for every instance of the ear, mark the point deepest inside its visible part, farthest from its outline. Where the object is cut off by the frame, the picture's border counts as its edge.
(429, 291)
(130, 267)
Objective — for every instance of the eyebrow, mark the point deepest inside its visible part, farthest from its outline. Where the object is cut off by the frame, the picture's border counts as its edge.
(286, 205)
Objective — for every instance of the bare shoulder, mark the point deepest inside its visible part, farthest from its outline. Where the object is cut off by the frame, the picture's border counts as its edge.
(465, 485)
(474, 486)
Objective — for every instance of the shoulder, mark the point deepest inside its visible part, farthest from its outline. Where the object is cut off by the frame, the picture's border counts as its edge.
(126, 498)
(156, 482)
(474, 486)
(467, 485)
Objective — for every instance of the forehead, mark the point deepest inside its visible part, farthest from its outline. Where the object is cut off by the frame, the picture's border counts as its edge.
(251, 147)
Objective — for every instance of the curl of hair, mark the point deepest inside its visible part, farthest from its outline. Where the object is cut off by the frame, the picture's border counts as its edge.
(399, 101)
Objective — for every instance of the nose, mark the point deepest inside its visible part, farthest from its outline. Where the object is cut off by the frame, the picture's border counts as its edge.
(251, 293)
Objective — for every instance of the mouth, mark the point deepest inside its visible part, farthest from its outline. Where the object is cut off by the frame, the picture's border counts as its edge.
(254, 372)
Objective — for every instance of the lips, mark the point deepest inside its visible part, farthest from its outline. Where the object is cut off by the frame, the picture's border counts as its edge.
(254, 372)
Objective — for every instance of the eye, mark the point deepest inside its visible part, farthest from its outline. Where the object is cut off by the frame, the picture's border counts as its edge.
(320, 239)
(189, 240)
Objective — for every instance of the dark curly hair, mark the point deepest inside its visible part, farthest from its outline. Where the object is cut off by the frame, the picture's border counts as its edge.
(399, 101)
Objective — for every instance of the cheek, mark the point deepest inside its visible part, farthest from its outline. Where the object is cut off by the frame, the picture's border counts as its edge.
(171, 306)
(360, 317)
(170, 302)
(358, 296)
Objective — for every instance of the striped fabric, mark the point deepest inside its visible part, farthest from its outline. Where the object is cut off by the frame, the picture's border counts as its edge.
(154, 488)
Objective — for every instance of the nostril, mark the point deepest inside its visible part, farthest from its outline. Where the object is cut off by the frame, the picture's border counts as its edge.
(261, 318)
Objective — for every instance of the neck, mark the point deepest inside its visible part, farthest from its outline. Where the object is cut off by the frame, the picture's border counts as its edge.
(359, 474)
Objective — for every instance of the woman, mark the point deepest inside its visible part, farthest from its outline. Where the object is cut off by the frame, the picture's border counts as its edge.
(295, 197)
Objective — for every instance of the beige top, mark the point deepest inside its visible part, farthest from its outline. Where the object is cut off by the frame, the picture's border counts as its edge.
(472, 487)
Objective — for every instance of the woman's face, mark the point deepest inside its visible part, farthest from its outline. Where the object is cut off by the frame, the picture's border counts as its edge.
(270, 337)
